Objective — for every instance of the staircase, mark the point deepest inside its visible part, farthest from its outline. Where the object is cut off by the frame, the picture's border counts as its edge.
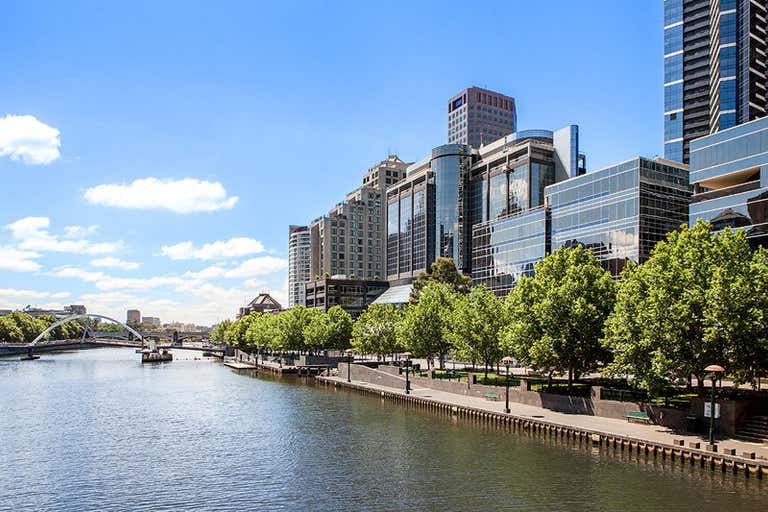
(755, 430)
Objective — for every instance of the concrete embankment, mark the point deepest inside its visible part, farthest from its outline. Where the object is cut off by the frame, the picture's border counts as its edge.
(648, 442)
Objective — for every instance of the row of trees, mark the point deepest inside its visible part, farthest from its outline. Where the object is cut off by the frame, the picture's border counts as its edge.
(20, 327)
(701, 298)
(297, 329)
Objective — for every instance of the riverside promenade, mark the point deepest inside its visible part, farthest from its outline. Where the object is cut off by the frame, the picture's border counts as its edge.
(730, 454)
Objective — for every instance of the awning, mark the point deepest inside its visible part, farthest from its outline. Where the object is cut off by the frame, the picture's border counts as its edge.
(395, 295)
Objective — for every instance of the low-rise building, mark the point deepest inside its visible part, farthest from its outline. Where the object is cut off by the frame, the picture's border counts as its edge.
(263, 303)
(353, 295)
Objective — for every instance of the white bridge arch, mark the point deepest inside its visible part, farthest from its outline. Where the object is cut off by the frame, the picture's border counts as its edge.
(42, 335)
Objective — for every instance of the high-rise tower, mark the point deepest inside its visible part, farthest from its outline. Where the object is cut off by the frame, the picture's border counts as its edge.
(714, 68)
(479, 116)
(298, 263)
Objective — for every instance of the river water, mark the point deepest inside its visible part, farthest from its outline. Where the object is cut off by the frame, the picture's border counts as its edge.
(96, 431)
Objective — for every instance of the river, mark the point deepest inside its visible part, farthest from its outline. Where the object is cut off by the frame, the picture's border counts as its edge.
(95, 430)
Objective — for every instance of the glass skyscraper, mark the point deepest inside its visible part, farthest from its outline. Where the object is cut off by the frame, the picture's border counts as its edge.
(433, 211)
(714, 68)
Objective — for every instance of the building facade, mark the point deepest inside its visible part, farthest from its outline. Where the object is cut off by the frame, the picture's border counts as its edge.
(263, 303)
(298, 263)
(349, 240)
(133, 317)
(353, 295)
(619, 212)
(478, 116)
(714, 68)
(425, 214)
(432, 212)
(729, 173)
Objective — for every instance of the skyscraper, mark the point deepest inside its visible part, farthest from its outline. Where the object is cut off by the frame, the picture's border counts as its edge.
(479, 116)
(714, 68)
(298, 263)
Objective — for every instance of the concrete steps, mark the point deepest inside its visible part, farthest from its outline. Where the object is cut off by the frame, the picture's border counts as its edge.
(755, 430)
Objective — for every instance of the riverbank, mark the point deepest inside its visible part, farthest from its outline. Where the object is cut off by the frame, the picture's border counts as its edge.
(653, 441)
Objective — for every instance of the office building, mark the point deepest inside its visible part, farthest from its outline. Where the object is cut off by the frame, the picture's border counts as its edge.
(729, 173)
(619, 212)
(133, 317)
(432, 212)
(714, 68)
(353, 295)
(478, 116)
(298, 263)
(151, 321)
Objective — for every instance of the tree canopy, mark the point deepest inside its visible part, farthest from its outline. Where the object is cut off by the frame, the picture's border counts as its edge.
(442, 270)
(556, 318)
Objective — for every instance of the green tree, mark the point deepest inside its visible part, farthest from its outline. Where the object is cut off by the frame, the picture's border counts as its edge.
(329, 330)
(9, 331)
(425, 326)
(442, 270)
(375, 330)
(477, 320)
(291, 325)
(262, 332)
(696, 301)
(218, 333)
(556, 318)
(30, 327)
(235, 333)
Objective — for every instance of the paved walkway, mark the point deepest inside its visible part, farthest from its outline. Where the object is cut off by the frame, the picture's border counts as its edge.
(610, 426)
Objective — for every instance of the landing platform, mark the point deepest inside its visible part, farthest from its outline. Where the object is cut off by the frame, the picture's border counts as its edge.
(236, 365)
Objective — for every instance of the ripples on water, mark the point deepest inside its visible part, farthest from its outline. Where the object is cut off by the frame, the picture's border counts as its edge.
(97, 431)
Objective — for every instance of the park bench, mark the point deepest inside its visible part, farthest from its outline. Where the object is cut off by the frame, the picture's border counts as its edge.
(491, 395)
(638, 416)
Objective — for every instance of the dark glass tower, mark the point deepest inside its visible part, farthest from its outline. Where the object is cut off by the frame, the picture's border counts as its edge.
(714, 68)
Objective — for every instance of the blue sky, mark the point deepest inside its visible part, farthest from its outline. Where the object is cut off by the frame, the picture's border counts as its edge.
(154, 153)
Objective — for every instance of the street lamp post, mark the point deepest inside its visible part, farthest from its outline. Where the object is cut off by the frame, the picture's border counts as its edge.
(714, 370)
(507, 363)
(349, 364)
(407, 368)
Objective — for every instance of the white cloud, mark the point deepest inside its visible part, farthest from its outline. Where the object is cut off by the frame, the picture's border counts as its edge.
(253, 283)
(249, 268)
(31, 294)
(106, 282)
(26, 139)
(186, 195)
(232, 248)
(32, 234)
(79, 231)
(18, 261)
(258, 266)
(110, 262)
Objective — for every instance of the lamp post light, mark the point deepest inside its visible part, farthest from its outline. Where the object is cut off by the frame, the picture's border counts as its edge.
(714, 370)
(407, 368)
(507, 363)
(349, 364)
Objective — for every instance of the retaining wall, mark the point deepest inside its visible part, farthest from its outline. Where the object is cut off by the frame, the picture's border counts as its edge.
(587, 438)
(389, 376)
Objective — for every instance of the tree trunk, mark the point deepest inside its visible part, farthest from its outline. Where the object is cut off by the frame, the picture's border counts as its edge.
(486, 368)
(570, 377)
